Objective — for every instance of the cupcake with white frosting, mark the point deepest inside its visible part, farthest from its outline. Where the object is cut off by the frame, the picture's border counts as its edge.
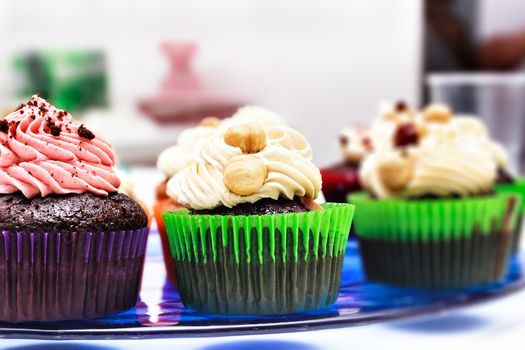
(184, 153)
(252, 225)
(355, 144)
(431, 217)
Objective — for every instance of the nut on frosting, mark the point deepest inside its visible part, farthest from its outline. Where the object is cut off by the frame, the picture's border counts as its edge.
(432, 153)
(244, 175)
(243, 168)
(181, 155)
(249, 137)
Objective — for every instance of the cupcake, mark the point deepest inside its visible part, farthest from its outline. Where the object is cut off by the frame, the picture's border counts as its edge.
(431, 218)
(183, 154)
(252, 240)
(71, 246)
(171, 161)
(341, 179)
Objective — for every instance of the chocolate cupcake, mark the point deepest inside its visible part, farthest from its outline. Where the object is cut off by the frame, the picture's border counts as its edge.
(431, 218)
(71, 246)
(342, 179)
(178, 157)
(171, 161)
(339, 180)
(253, 240)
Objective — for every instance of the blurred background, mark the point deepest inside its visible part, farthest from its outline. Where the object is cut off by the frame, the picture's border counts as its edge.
(139, 71)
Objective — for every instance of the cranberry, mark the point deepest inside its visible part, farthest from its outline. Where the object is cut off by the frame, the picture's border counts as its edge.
(401, 106)
(406, 135)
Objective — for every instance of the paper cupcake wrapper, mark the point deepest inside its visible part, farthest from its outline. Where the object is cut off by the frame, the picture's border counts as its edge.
(66, 276)
(518, 188)
(436, 243)
(458, 263)
(433, 220)
(267, 264)
(166, 250)
(517, 236)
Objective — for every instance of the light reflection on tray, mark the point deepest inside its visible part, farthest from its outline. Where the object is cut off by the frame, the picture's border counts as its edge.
(160, 313)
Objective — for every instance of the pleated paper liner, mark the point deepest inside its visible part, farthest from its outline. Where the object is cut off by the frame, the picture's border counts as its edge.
(517, 187)
(449, 243)
(158, 209)
(67, 276)
(260, 264)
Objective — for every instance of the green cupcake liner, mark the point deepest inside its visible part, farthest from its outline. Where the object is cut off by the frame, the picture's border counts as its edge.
(260, 264)
(450, 243)
(517, 187)
(432, 220)
(458, 263)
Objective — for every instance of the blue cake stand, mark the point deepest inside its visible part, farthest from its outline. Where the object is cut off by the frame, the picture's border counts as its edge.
(160, 312)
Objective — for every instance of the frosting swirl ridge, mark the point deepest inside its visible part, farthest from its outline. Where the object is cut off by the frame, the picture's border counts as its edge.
(283, 167)
(42, 152)
(433, 154)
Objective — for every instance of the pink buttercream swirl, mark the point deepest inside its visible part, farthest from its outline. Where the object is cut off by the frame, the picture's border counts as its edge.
(42, 152)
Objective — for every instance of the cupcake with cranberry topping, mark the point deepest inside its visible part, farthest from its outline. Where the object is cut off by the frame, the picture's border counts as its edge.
(341, 179)
(252, 240)
(431, 218)
(72, 244)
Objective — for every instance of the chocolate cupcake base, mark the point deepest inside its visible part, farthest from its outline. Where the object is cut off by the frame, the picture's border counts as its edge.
(445, 243)
(259, 264)
(464, 262)
(250, 287)
(53, 276)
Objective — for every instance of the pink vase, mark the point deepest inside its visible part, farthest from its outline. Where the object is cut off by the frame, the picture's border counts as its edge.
(182, 96)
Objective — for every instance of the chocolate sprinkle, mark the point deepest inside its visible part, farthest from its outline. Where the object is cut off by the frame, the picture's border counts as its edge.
(85, 133)
(4, 126)
(55, 130)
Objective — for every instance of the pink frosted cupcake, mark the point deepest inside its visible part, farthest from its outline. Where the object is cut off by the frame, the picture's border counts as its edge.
(71, 247)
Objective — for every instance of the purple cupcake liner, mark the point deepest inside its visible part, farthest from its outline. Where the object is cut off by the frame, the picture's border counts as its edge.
(53, 276)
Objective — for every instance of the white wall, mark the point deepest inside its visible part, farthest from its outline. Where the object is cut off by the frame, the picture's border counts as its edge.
(322, 63)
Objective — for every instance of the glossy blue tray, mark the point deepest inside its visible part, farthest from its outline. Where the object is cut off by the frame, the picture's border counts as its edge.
(160, 313)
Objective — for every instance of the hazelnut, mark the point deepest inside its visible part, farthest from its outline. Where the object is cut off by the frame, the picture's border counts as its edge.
(211, 122)
(396, 172)
(437, 113)
(392, 116)
(422, 130)
(244, 175)
(249, 137)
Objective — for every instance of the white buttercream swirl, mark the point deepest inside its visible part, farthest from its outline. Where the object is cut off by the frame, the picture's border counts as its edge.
(287, 156)
(175, 158)
(178, 157)
(457, 157)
